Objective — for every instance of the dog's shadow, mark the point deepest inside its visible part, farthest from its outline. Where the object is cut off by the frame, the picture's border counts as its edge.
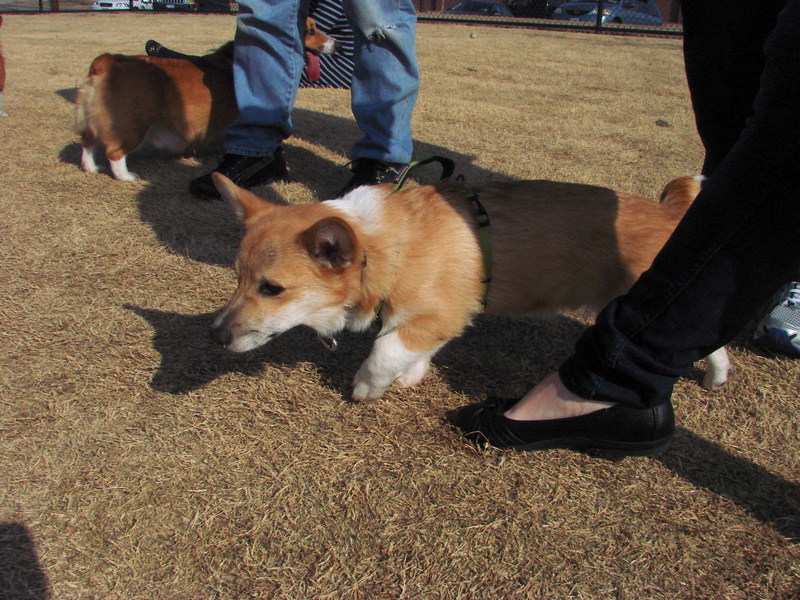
(489, 357)
(190, 360)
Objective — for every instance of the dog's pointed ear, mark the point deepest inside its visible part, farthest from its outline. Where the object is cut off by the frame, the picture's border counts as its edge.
(331, 242)
(245, 203)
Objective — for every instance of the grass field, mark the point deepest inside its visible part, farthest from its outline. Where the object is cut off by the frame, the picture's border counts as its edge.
(139, 461)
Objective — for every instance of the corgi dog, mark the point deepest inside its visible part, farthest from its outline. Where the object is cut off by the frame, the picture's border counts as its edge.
(2, 76)
(172, 103)
(413, 257)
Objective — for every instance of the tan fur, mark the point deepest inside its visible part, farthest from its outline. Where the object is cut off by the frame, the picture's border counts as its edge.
(173, 103)
(416, 255)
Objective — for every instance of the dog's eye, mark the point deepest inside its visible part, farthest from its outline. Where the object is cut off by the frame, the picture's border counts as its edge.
(269, 289)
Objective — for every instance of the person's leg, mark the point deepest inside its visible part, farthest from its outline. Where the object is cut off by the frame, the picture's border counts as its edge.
(735, 246)
(724, 57)
(384, 87)
(267, 65)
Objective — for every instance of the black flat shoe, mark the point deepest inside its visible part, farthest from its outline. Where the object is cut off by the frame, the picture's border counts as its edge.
(618, 430)
(244, 171)
(153, 48)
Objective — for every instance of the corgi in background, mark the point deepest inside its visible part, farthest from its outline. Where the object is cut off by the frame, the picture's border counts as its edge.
(2, 76)
(414, 258)
(172, 103)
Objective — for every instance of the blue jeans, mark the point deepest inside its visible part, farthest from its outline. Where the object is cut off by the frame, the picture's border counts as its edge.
(268, 63)
(738, 243)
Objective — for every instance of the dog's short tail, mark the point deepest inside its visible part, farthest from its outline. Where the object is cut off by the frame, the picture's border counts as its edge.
(679, 194)
(83, 122)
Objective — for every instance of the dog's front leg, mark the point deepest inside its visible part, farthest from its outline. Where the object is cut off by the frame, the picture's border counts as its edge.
(389, 361)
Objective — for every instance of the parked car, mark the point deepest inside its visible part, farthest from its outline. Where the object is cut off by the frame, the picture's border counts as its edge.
(541, 9)
(122, 5)
(485, 8)
(634, 12)
(215, 6)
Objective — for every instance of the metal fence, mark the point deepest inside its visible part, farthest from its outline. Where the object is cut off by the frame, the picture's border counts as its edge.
(598, 16)
(65, 6)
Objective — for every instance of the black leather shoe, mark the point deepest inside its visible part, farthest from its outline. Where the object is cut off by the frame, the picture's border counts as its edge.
(153, 48)
(368, 171)
(244, 171)
(618, 430)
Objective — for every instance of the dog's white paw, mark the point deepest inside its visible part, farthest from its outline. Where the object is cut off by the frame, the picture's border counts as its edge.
(3, 113)
(415, 374)
(366, 386)
(128, 177)
(363, 390)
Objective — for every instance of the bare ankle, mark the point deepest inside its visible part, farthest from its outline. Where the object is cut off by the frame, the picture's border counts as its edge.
(550, 399)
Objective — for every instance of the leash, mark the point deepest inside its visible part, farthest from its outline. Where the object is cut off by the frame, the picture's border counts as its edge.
(448, 168)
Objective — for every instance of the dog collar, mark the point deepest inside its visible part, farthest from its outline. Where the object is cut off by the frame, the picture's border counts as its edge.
(330, 342)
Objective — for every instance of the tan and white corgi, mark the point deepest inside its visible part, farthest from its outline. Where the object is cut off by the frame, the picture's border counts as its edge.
(172, 103)
(414, 257)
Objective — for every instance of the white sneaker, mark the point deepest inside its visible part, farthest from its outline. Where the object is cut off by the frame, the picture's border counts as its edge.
(779, 330)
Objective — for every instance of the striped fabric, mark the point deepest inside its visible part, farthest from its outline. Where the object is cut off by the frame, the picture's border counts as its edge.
(336, 70)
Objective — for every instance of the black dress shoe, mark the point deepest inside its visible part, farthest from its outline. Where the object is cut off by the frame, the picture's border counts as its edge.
(368, 171)
(153, 48)
(244, 171)
(618, 430)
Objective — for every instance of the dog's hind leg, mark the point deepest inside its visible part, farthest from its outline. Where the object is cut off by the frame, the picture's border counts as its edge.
(119, 165)
(88, 163)
(719, 366)
(120, 170)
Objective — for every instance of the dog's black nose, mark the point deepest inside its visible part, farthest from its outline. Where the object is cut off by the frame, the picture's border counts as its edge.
(222, 335)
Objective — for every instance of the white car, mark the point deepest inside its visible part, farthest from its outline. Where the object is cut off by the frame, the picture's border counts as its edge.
(122, 5)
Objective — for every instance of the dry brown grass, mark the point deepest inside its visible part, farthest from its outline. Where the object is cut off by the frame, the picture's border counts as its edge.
(139, 461)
